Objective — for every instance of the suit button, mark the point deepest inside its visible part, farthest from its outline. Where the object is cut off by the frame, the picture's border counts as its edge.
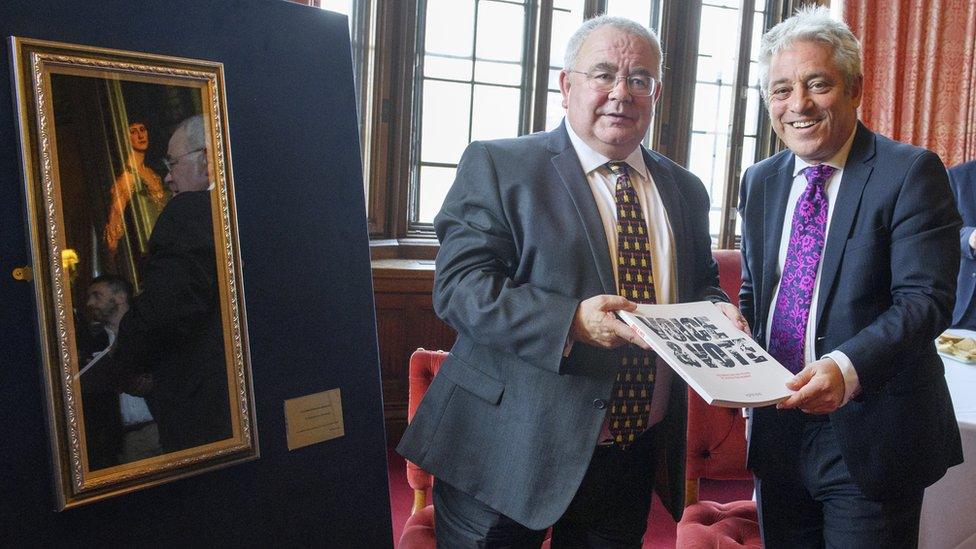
(599, 404)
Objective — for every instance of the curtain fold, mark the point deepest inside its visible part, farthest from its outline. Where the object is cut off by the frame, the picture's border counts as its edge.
(919, 72)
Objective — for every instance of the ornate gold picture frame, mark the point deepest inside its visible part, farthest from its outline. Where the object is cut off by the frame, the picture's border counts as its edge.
(136, 266)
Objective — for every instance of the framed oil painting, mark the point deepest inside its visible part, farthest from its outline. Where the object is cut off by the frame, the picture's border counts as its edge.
(136, 266)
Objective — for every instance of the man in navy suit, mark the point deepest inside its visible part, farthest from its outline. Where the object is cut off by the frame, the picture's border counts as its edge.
(962, 179)
(849, 254)
(540, 239)
(172, 334)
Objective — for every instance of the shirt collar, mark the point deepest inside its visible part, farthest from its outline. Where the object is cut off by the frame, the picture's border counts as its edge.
(591, 160)
(837, 161)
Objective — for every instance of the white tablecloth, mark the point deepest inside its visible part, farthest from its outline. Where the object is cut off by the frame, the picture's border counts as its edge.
(949, 509)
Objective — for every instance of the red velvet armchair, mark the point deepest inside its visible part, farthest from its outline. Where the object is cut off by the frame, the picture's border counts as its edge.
(717, 450)
(418, 531)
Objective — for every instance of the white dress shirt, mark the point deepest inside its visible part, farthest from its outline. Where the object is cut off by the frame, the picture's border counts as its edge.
(603, 186)
(831, 187)
(134, 409)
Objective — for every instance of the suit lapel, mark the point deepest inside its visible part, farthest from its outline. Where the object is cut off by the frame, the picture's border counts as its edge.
(776, 191)
(571, 175)
(857, 170)
(667, 189)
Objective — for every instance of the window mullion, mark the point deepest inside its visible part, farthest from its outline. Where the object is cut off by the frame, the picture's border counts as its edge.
(474, 69)
(733, 164)
(674, 111)
(539, 73)
(592, 8)
(767, 143)
(415, 100)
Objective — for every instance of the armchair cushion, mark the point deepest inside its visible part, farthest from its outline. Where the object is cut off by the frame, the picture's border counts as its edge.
(712, 525)
(418, 531)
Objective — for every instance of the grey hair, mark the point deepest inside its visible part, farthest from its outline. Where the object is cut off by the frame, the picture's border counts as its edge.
(192, 128)
(621, 23)
(812, 24)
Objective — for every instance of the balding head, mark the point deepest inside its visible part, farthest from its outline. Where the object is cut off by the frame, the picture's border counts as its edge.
(186, 157)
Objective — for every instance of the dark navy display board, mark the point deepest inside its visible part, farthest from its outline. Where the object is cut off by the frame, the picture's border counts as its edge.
(307, 286)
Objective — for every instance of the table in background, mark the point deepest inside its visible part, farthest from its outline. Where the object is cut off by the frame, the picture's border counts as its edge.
(949, 509)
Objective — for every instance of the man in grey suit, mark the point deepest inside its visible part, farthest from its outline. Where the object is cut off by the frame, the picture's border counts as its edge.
(849, 247)
(528, 424)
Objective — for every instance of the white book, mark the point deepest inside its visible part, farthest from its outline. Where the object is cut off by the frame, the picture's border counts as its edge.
(723, 364)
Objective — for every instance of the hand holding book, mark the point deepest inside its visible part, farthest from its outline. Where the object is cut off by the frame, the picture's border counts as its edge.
(595, 323)
(819, 388)
(732, 313)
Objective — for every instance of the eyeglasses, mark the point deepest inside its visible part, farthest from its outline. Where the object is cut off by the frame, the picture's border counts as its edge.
(171, 161)
(604, 82)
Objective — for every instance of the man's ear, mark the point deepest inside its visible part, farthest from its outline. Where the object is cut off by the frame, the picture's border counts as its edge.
(657, 93)
(564, 87)
(857, 87)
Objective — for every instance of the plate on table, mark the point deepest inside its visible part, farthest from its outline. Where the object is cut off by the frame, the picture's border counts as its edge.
(956, 347)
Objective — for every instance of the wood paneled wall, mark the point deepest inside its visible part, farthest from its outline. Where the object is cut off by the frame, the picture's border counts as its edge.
(405, 320)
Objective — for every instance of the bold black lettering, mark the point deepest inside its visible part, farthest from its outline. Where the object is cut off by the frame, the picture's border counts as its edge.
(674, 329)
(701, 354)
(729, 347)
(747, 348)
(692, 329)
(716, 352)
(655, 325)
(682, 356)
(711, 329)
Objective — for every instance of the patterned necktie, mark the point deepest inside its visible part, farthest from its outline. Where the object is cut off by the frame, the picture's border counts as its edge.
(630, 403)
(788, 331)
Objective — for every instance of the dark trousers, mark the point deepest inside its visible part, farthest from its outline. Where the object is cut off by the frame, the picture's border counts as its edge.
(823, 507)
(609, 509)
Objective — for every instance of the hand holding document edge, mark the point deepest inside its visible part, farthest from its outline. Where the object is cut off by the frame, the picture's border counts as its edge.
(723, 364)
(820, 388)
(595, 323)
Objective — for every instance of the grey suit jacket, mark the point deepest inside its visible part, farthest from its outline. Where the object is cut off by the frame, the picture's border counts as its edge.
(886, 290)
(508, 419)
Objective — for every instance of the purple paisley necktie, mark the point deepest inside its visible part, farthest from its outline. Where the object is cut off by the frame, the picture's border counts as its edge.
(630, 403)
(788, 331)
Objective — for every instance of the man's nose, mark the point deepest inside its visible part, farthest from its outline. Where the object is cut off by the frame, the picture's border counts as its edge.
(620, 90)
(800, 101)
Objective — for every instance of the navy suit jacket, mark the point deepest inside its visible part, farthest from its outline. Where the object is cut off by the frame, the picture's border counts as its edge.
(173, 328)
(885, 292)
(508, 419)
(962, 178)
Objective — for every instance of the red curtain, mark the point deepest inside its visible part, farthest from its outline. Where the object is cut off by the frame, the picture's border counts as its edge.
(919, 72)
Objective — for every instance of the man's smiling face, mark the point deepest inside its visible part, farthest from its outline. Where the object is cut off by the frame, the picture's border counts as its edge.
(810, 107)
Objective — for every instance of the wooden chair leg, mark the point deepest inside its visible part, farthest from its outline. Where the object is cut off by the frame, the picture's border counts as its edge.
(419, 500)
(691, 491)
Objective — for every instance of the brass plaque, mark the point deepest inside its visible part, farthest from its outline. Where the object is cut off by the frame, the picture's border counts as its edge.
(313, 418)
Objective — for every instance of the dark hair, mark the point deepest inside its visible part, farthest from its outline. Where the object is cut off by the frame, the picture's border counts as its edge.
(116, 283)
